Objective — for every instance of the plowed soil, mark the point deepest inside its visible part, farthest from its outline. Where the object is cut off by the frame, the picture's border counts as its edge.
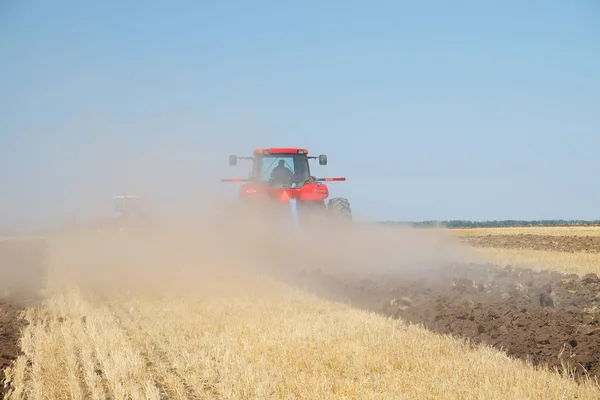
(10, 326)
(537, 242)
(23, 264)
(544, 317)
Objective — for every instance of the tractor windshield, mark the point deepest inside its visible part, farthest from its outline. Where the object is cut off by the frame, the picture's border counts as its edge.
(283, 169)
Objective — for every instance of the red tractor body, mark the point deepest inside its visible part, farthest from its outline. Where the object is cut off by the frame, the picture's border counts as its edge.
(283, 175)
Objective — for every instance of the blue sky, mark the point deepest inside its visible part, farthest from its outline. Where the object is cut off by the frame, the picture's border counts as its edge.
(431, 109)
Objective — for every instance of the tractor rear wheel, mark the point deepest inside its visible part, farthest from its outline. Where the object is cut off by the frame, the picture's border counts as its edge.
(339, 209)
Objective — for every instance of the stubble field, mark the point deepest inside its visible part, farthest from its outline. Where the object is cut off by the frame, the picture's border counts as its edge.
(154, 318)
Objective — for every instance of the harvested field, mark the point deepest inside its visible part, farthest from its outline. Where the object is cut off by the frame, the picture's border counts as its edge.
(589, 244)
(271, 342)
(579, 263)
(565, 249)
(530, 230)
(173, 316)
(545, 317)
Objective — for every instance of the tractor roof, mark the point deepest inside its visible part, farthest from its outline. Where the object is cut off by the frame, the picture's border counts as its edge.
(281, 150)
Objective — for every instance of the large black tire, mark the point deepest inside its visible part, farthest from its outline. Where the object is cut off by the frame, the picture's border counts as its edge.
(338, 209)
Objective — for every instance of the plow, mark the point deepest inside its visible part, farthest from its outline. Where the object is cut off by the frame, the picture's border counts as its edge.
(280, 183)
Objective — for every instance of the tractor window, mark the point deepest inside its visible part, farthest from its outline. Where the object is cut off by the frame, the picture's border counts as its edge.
(296, 165)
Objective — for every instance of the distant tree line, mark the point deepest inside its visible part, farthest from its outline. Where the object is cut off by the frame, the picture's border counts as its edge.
(493, 224)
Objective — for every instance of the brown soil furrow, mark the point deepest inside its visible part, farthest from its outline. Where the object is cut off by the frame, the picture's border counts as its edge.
(589, 244)
(10, 331)
(544, 317)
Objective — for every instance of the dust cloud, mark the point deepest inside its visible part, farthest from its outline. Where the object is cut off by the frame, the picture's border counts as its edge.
(195, 229)
(230, 242)
(23, 267)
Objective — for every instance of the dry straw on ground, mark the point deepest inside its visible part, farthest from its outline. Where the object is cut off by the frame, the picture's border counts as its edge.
(237, 337)
(534, 230)
(282, 345)
(580, 263)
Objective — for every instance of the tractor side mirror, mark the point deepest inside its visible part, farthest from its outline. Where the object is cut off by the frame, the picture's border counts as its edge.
(322, 159)
(232, 160)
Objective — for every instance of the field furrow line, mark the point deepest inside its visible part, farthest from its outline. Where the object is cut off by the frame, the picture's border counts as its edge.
(169, 334)
(170, 383)
(76, 387)
(120, 363)
(41, 341)
(96, 387)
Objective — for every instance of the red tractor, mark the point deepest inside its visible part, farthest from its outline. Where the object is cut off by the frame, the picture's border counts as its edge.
(282, 175)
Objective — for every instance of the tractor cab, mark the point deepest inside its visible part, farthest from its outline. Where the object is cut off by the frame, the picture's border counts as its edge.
(280, 167)
(283, 175)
